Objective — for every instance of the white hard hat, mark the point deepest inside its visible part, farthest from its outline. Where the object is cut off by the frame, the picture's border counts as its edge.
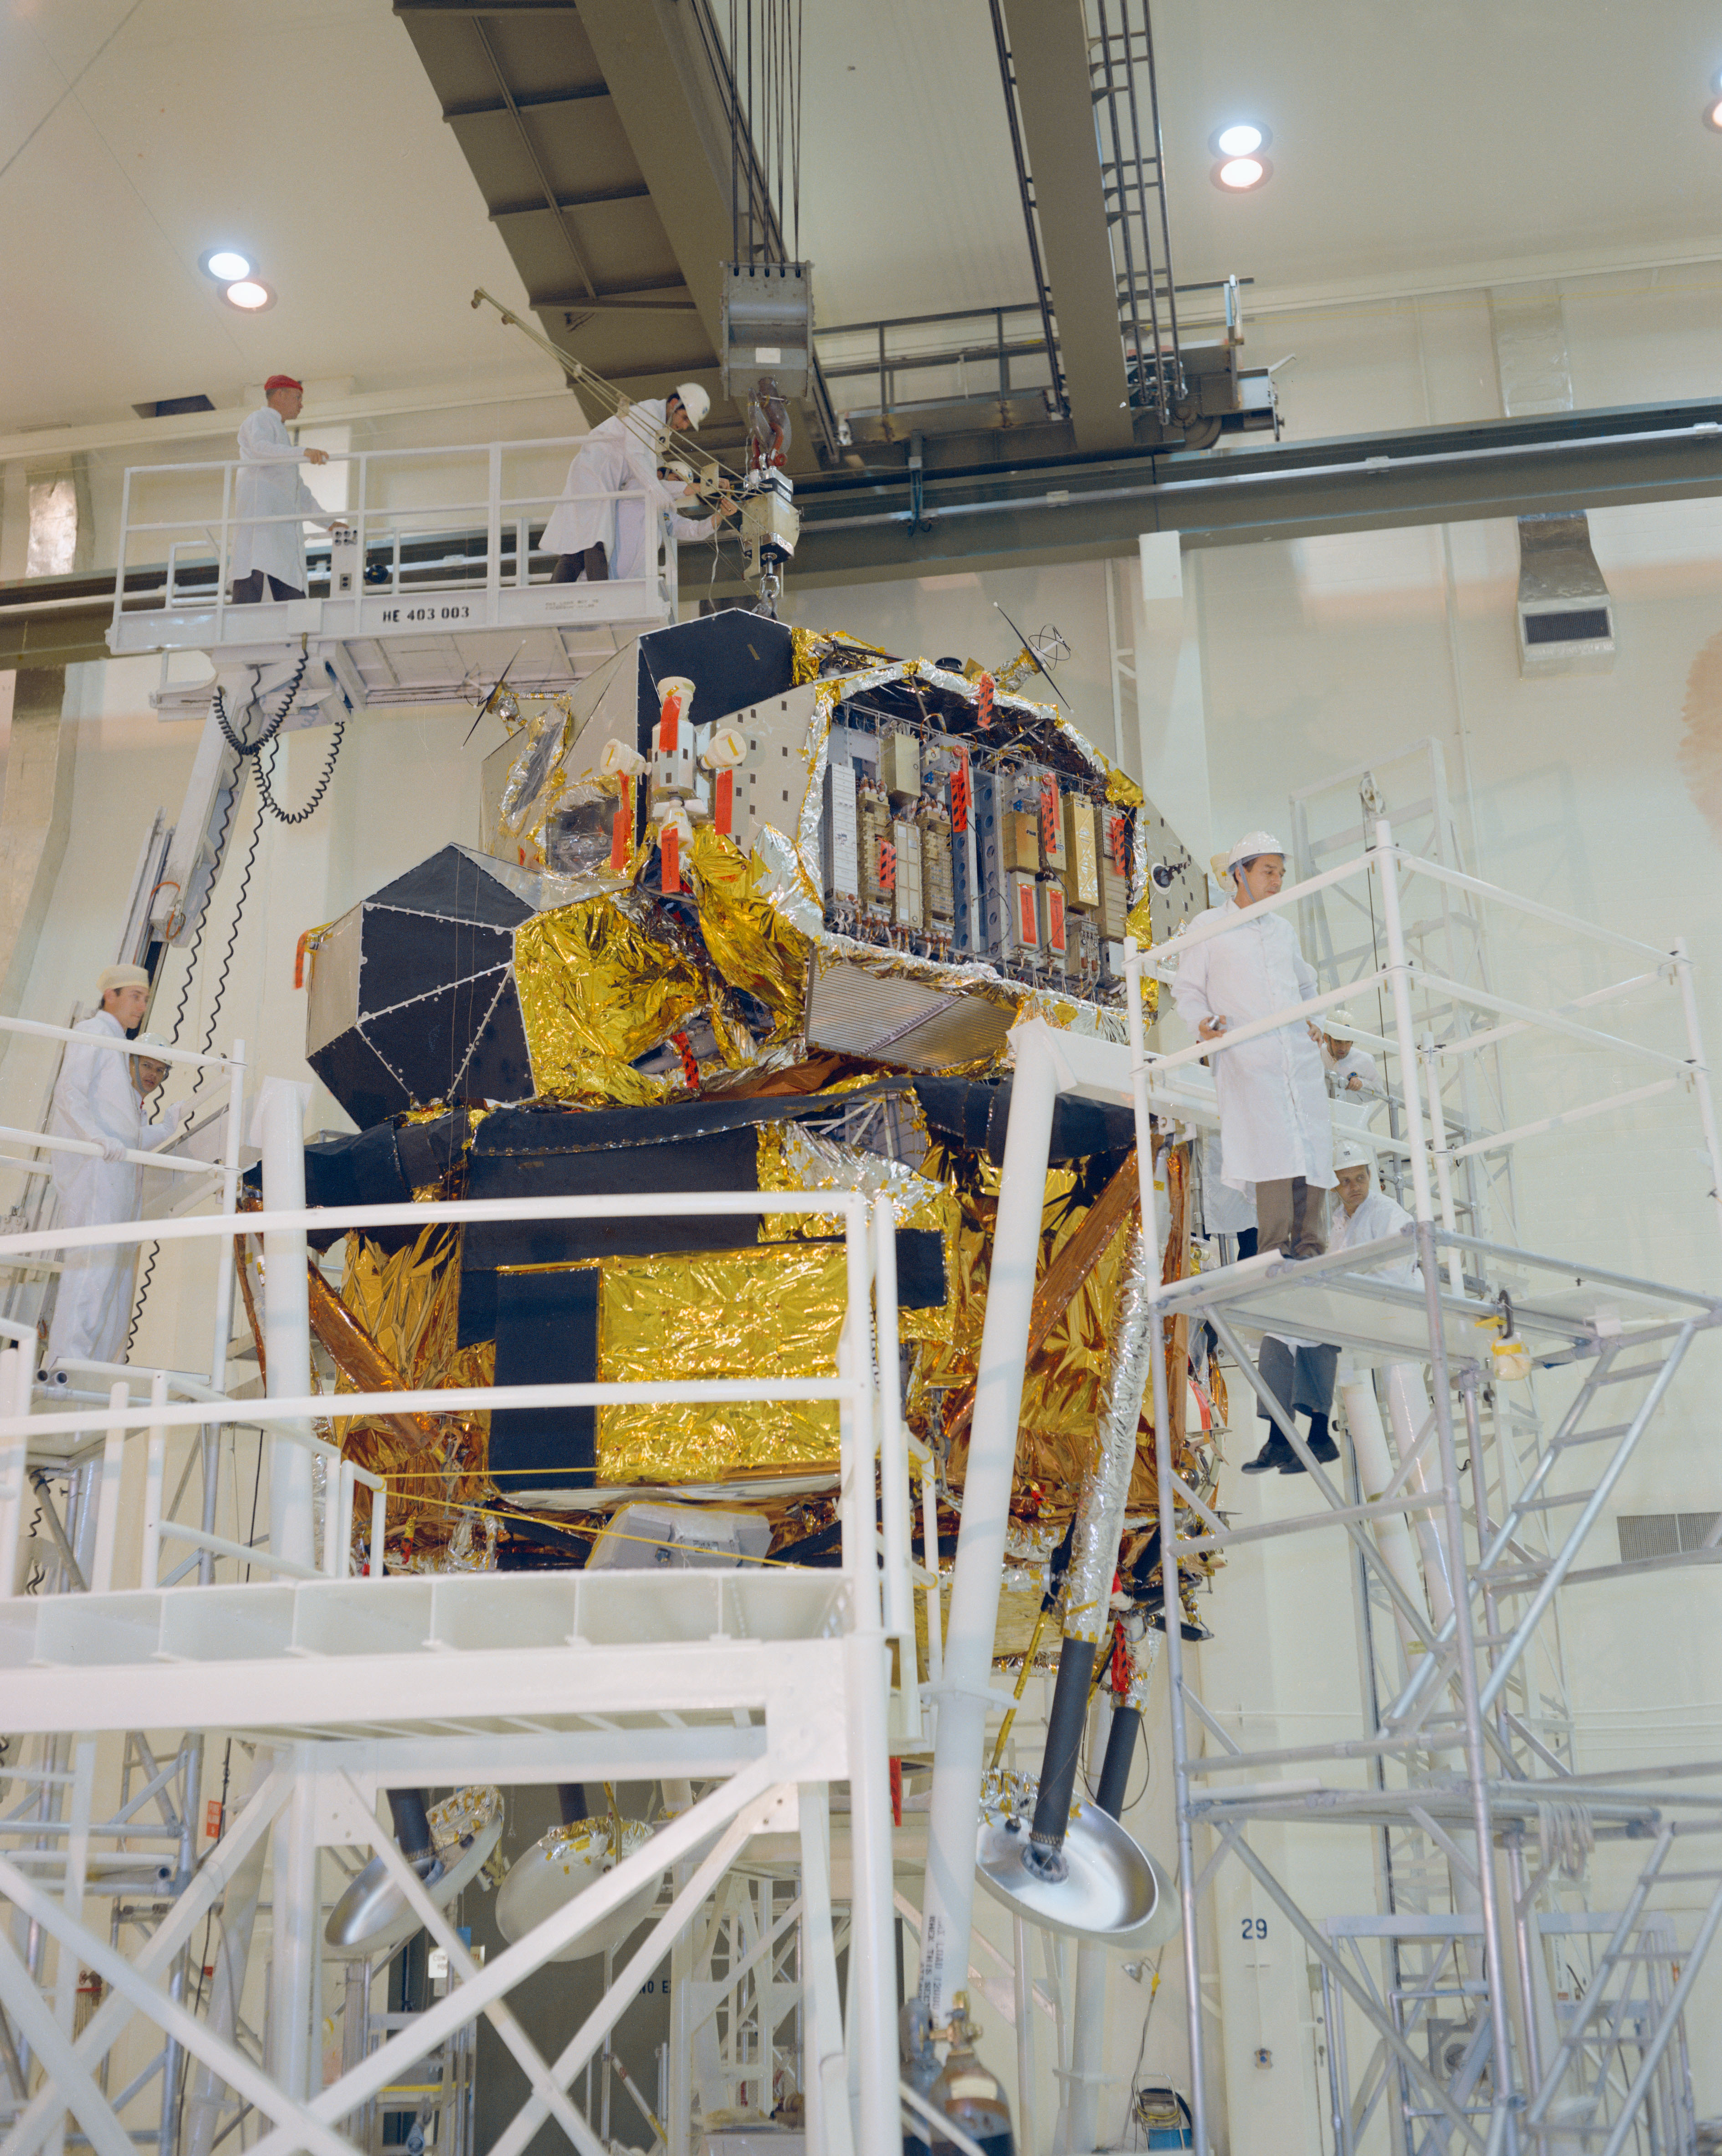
(1252, 844)
(1351, 1152)
(694, 402)
(147, 1040)
(1339, 1024)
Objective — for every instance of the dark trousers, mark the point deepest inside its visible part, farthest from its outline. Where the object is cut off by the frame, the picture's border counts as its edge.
(248, 590)
(592, 564)
(1292, 1217)
(1299, 1378)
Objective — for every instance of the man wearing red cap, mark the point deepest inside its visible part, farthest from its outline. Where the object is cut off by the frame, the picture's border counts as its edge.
(268, 485)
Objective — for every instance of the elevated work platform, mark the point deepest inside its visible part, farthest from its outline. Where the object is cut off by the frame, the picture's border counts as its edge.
(437, 581)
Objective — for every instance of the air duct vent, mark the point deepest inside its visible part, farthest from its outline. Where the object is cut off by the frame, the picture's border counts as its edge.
(1565, 619)
(1661, 1534)
(169, 408)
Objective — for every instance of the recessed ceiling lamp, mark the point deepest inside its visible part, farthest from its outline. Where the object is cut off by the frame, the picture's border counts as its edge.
(248, 295)
(1242, 141)
(1713, 114)
(1238, 175)
(225, 264)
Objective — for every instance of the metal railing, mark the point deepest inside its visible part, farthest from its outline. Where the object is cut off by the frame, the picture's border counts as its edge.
(468, 543)
(1465, 1662)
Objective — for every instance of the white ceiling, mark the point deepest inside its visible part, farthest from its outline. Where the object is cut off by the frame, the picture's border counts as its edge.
(136, 134)
(1414, 147)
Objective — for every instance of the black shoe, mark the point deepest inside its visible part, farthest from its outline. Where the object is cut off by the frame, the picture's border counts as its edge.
(1321, 1441)
(1276, 1453)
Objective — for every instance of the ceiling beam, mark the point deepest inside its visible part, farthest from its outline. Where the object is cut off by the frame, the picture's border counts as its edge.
(1049, 52)
(1505, 468)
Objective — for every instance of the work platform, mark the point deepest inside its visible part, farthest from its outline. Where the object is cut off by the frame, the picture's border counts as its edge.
(438, 583)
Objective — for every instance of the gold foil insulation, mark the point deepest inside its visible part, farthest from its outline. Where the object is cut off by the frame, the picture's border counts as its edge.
(773, 1312)
(596, 992)
(408, 1300)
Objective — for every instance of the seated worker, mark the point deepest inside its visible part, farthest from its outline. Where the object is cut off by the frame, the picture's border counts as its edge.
(1349, 1069)
(1300, 1372)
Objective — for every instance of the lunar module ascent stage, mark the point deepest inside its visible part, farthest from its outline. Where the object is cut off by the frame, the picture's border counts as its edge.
(753, 1333)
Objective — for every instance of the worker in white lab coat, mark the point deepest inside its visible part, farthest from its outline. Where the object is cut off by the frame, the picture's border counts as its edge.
(267, 484)
(1274, 1118)
(1350, 1070)
(584, 532)
(1365, 1213)
(100, 1098)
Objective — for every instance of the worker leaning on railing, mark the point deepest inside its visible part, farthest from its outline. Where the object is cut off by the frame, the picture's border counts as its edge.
(99, 1098)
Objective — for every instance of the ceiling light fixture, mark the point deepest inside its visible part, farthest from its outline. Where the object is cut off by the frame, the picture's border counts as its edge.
(1243, 140)
(1238, 175)
(248, 295)
(1713, 114)
(225, 264)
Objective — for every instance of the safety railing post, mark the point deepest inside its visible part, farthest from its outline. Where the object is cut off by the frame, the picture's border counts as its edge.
(155, 1476)
(859, 1561)
(286, 1306)
(107, 1503)
(893, 1448)
(1386, 868)
(16, 1373)
(120, 573)
(493, 538)
(228, 1258)
(1700, 1072)
(1171, 1594)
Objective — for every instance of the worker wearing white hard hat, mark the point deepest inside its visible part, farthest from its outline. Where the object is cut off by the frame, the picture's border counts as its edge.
(1274, 1118)
(1351, 1069)
(1365, 1212)
(99, 1098)
(615, 469)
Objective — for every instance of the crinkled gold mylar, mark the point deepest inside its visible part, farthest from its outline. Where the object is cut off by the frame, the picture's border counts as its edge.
(408, 1299)
(791, 1157)
(596, 992)
(772, 1311)
(753, 944)
(1138, 922)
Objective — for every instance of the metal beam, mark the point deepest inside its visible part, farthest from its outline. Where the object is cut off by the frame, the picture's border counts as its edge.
(1048, 50)
(1363, 482)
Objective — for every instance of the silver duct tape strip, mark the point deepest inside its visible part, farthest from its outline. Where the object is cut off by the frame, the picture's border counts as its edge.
(1100, 1510)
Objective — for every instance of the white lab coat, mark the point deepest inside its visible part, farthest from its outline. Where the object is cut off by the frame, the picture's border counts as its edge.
(1377, 1216)
(1357, 1063)
(1274, 1114)
(618, 453)
(95, 1099)
(267, 484)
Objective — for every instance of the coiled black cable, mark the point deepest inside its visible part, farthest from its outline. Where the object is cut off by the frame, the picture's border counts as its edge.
(252, 751)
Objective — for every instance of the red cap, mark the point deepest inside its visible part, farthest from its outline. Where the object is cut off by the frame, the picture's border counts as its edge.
(281, 382)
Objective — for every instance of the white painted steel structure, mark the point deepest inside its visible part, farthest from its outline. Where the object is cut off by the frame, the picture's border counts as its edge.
(771, 1683)
(450, 534)
(1457, 1760)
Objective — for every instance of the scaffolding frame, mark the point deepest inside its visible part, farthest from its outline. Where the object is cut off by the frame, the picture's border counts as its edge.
(1477, 1776)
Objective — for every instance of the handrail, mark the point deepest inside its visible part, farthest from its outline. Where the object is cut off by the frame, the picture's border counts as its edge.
(862, 1387)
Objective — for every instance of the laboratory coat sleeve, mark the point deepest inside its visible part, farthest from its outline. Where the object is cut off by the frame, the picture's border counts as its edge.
(76, 1101)
(1190, 990)
(262, 444)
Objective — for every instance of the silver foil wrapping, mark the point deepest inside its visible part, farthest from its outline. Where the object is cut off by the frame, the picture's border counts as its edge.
(1100, 1509)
